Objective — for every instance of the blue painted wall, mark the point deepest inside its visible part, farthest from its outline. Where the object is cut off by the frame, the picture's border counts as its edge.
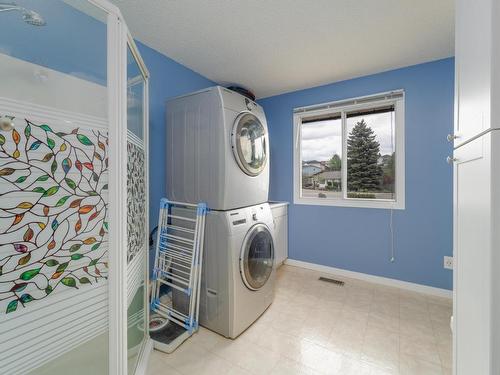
(358, 239)
(167, 79)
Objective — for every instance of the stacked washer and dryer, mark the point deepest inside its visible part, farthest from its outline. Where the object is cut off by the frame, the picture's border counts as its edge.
(218, 153)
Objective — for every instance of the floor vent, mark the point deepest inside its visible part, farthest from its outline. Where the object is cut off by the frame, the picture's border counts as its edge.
(332, 281)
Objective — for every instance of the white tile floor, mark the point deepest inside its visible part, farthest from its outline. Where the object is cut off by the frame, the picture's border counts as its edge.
(315, 327)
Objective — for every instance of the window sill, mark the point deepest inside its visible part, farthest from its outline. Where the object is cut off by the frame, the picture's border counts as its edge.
(354, 203)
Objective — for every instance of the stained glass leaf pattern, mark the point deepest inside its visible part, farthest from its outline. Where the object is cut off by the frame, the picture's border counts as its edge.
(84, 140)
(58, 215)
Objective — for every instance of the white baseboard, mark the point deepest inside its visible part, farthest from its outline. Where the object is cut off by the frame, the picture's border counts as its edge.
(429, 290)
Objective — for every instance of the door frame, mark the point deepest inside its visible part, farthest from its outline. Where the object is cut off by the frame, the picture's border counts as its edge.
(118, 40)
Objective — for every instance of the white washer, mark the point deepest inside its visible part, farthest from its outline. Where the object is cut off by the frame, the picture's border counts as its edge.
(238, 273)
(217, 149)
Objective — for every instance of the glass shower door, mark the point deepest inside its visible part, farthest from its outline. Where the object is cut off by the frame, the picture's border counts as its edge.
(53, 188)
(137, 202)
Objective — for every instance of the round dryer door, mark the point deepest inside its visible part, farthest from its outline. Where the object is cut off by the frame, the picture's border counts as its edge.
(257, 257)
(249, 141)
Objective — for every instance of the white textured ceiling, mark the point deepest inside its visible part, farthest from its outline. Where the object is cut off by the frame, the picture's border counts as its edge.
(277, 46)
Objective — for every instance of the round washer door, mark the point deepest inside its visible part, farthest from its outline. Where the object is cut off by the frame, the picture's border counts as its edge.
(249, 141)
(257, 257)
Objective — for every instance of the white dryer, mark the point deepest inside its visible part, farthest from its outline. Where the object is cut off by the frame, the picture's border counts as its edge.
(238, 274)
(217, 149)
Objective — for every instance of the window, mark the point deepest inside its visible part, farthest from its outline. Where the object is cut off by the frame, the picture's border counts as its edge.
(351, 152)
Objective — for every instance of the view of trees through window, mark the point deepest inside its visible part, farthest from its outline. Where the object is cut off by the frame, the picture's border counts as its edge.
(370, 147)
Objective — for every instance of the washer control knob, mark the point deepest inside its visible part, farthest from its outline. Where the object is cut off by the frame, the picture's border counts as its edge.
(254, 217)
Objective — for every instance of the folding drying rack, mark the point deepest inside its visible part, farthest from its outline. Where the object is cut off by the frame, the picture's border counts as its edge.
(178, 262)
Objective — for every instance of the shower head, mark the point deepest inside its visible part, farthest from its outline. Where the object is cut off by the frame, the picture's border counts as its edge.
(33, 18)
(29, 16)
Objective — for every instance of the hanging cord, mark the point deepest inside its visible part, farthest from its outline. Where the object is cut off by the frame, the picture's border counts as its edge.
(152, 237)
(391, 227)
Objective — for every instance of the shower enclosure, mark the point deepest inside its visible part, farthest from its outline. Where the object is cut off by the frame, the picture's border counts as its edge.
(73, 190)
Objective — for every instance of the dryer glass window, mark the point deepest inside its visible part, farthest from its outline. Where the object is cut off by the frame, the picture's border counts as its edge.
(257, 258)
(250, 144)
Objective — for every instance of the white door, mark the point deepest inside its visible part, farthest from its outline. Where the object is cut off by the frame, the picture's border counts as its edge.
(472, 254)
(472, 68)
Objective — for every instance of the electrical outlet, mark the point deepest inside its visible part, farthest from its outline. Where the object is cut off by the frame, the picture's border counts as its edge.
(448, 263)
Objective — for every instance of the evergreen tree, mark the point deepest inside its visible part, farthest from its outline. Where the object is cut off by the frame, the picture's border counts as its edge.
(363, 171)
(335, 163)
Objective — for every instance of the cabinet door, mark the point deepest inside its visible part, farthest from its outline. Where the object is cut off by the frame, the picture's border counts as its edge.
(281, 238)
(472, 255)
(472, 68)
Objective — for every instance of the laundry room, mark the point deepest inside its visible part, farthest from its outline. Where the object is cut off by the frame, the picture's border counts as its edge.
(249, 187)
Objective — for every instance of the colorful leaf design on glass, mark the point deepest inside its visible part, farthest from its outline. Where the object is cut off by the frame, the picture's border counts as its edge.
(24, 260)
(25, 205)
(46, 210)
(47, 157)
(45, 177)
(39, 190)
(84, 280)
(66, 165)
(35, 145)
(75, 131)
(75, 247)
(96, 246)
(85, 209)
(89, 166)
(63, 147)
(21, 179)
(46, 128)
(62, 267)
(94, 215)
(76, 256)
(70, 183)
(41, 225)
(78, 165)
(78, 225)
(18, 287)
(12, 306)
(28, 235)
(106, 225)
(53, 167)
(55, 224)
(95, 177)
(97, 156)
(51, 245)
(84, 140)
(51, 191)
(18, 219)
(63, 200)
(2, 140)
(20, 248)
(51, 263)
(61, 134)
(69, 281)
(15, 136)
(16, 154)
(75, 203)
(51, 143)
(97, 271)
(56, 275)
(25, 298)
(28, 275)
(93, 262)
(101, 146)
(89, 241)
(7, 171)
(48, 290)
(27, 131)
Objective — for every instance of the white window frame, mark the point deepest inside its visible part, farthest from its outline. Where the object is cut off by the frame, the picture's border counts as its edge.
(396, 98)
